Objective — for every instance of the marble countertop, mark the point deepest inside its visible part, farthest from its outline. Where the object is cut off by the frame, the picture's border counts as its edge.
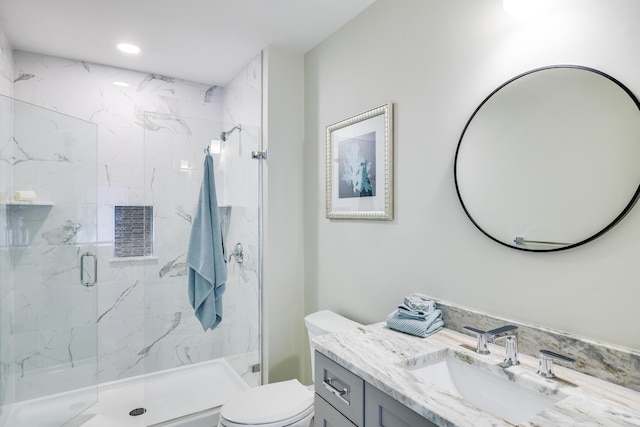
(383, 357)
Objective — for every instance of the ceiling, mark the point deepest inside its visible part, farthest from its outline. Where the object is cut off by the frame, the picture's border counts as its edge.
(206, 41)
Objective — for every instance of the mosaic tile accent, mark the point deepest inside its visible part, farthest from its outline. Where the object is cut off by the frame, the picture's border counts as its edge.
(133, 231)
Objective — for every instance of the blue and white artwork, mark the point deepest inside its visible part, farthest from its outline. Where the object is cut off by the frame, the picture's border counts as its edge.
(357, 166)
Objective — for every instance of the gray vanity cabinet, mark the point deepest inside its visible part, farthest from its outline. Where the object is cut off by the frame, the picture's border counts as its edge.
(381, 410)
(344, 400)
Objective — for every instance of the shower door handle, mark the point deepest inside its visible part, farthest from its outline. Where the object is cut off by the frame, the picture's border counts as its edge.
(88, 278)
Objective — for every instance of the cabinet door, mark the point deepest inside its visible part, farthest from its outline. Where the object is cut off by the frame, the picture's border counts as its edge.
(380, 410)
(328, 416)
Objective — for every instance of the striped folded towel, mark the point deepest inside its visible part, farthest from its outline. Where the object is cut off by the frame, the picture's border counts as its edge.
(418, 327)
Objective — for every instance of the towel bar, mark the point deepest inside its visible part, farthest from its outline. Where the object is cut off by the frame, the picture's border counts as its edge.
(519, 240)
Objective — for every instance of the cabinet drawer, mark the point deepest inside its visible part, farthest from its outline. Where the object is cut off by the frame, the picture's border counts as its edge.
(341, 388)
(326, 415)
(382, 410)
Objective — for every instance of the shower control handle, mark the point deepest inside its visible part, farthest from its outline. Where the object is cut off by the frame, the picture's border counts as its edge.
(237, 254)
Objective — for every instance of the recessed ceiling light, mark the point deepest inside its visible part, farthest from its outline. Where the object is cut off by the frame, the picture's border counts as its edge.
(526, 8)
(121, 84)
(128, 48)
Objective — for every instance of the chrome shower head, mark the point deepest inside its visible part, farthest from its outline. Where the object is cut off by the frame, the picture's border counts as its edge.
(225, 135)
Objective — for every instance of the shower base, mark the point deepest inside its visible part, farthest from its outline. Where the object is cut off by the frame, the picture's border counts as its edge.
(188, 396)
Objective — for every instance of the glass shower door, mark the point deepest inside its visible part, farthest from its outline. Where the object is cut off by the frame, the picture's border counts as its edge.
(49, 217)
(174, 155)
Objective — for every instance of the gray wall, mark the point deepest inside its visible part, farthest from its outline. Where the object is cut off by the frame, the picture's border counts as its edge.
(437, 61)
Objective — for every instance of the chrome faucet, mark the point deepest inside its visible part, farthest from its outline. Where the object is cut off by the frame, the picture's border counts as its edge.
(511, 349)
(545, 365)
(511, 342)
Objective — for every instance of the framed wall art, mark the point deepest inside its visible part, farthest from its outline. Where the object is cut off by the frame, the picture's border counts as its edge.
(360, 166)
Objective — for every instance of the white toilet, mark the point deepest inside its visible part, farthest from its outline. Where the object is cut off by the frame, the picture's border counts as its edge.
(286, 403)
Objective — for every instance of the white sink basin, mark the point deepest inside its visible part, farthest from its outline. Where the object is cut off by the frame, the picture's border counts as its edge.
(487, 391)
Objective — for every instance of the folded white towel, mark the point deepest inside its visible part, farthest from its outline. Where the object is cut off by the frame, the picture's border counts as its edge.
(24, 196)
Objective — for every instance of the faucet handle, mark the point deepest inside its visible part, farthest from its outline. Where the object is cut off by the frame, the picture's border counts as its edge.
(481, 347)
(501, 330)
(545, 365)
(475, 330)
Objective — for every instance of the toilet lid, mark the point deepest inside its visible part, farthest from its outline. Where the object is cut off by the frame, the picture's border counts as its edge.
(269, 403)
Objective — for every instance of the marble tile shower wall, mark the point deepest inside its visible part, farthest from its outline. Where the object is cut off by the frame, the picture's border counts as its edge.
(6, 66)
(144, 322)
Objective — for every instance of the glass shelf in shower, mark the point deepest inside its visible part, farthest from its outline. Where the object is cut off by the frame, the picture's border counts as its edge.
(34, 204)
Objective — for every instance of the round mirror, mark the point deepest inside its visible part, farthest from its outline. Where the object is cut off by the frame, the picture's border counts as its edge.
(550, 159)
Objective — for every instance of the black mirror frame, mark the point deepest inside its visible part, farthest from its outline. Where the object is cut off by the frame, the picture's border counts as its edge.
(612, 224)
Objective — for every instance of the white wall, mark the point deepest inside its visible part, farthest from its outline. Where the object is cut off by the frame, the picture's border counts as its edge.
(437, 61)
(284, 251)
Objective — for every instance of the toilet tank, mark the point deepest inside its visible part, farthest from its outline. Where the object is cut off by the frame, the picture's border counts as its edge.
(325, 322)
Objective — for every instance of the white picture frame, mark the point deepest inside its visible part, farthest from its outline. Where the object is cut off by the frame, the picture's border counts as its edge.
(360, 166)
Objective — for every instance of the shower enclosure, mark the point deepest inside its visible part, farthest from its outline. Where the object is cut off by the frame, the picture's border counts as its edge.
(85, 307)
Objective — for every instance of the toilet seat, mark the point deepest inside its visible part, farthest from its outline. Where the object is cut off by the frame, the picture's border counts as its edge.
(273, 405)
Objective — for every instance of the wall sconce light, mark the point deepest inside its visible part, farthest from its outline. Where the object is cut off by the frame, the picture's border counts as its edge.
(215, 147)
